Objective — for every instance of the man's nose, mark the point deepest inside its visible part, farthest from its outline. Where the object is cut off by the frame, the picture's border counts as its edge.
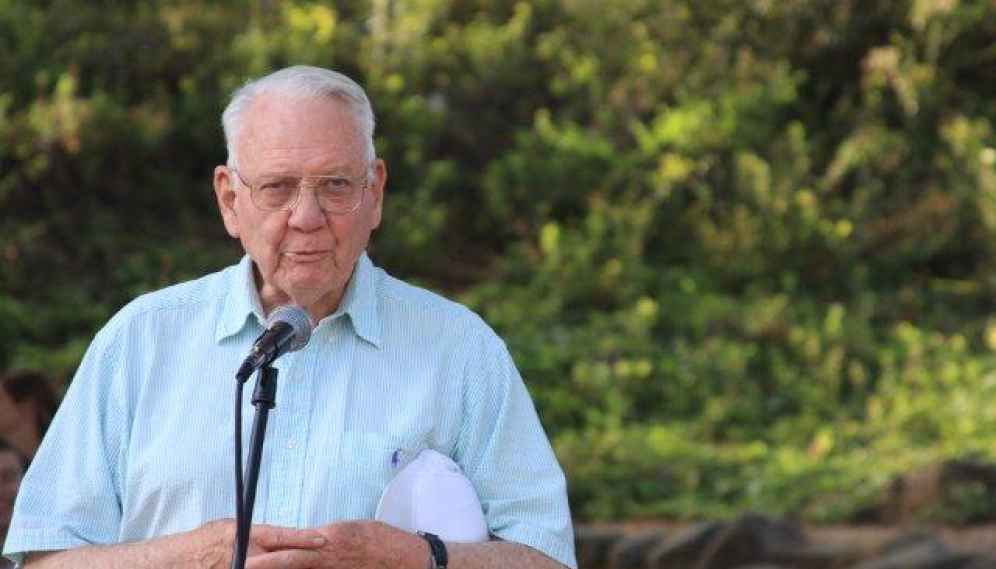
(307, 213)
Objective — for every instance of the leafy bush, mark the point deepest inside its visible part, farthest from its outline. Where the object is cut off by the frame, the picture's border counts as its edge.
(741, 251)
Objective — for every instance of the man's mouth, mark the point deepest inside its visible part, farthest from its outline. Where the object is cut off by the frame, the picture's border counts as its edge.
(306, 256)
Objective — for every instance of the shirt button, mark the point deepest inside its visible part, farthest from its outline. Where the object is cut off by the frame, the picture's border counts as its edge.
(296, 377)
(290, 444)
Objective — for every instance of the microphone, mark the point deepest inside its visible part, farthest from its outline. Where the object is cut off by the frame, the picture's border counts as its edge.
(288, 329)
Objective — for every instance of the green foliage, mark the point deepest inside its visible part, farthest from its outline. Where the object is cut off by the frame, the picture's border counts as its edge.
(969, 502)
(741, 251)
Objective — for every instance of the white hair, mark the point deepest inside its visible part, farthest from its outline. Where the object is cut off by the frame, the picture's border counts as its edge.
(300, 81)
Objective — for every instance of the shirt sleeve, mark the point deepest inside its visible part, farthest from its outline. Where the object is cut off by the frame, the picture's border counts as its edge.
(70, 495)
(506, 454)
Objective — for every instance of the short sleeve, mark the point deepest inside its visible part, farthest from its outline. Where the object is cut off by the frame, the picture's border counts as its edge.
(505, 452)
(70, 495)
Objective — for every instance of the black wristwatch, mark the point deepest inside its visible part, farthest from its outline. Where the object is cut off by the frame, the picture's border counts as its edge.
(437, 550)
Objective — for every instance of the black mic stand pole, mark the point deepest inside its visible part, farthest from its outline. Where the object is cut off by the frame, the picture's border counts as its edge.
(264, 398)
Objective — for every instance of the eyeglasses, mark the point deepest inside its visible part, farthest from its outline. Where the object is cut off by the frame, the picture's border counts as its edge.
(337, 193)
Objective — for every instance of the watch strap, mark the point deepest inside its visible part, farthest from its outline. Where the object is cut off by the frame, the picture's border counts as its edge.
(437, 550)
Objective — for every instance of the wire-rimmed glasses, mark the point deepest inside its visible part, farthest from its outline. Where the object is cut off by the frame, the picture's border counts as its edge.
(337, 194)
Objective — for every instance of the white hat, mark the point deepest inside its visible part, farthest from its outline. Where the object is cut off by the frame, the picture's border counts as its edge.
(431, 494)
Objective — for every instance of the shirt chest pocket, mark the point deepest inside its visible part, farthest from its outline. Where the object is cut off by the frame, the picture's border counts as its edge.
(367, 463)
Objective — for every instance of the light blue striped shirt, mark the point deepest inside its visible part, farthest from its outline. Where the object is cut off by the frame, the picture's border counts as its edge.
(142, 445)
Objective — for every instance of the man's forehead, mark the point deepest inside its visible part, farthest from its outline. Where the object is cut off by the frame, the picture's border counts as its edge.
(292, 157)
(278, 112)
(301, 131)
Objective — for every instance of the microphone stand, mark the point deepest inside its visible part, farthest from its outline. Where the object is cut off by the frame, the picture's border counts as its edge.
(264, 398)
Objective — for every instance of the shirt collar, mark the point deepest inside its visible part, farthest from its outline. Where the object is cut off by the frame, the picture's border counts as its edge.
(242, 303)
(359, 302)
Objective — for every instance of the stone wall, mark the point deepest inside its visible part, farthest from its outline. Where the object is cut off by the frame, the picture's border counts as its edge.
(758, 541)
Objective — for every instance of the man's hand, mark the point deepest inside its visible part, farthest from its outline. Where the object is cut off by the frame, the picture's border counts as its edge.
(207, 547)
(352, 545)
(347, 545)
(217, 542)
(374, 545)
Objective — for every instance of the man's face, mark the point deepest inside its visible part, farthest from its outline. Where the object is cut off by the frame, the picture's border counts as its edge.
(10, 481)
(305, 256)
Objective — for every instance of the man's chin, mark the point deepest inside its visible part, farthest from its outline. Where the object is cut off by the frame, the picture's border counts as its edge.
(309, 297)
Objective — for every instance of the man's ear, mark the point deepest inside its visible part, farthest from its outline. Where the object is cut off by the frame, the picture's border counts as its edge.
(377, 186)
(225, 192)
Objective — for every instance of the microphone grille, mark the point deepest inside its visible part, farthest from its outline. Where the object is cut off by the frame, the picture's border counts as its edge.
(295, 317)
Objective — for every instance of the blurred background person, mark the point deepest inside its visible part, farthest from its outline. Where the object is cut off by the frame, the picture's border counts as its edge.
(27, 404)
(12, 466)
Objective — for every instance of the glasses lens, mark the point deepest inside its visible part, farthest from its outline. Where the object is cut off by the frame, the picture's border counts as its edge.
(274, 192)
(336, 194)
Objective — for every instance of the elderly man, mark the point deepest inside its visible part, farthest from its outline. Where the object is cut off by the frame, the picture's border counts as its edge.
(136, 470)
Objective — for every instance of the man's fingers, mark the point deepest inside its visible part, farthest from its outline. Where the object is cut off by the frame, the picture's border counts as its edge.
(284, 559)
(272, 538)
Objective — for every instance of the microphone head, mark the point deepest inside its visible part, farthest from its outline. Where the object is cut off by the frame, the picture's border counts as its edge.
(295, 317)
